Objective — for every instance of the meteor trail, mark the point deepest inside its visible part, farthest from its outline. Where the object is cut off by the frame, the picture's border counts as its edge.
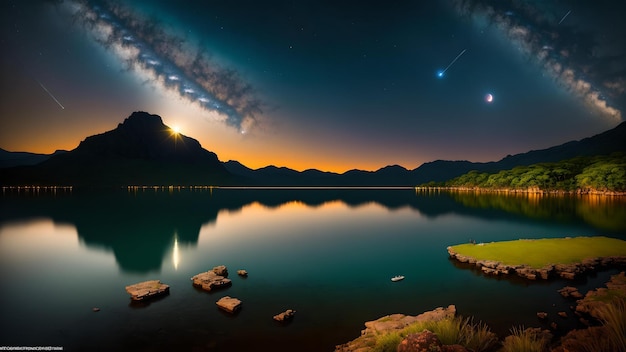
(50, 94)
(441, 73)
(565, 16)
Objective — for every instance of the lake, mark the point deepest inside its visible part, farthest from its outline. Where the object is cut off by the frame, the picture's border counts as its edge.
(327, 253)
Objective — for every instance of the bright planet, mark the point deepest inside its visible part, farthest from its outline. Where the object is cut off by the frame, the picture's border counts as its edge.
(489, 98)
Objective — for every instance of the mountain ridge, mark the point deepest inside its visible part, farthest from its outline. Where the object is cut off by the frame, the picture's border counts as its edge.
(143, 150)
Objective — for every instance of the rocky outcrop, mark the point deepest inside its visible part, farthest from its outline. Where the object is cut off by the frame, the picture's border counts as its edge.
(596, 299)
(285, 316)
(242, 273)
(566, 271)
(146, 290)
(391, 323)
(229, 304)
(212, 279)
(592, 305)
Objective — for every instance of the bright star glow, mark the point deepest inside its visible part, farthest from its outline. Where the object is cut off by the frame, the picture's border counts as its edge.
(176, 129)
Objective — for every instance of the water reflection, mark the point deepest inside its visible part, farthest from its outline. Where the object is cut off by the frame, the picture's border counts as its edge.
(143, 227)
(601, 212)
(175, 253)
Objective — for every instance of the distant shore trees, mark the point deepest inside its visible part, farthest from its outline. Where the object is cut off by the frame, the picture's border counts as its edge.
(606, 173)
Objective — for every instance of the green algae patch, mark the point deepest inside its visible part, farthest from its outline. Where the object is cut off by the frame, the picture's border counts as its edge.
(539, 253)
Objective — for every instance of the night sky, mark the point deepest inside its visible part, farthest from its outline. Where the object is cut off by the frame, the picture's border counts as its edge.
(316, 84)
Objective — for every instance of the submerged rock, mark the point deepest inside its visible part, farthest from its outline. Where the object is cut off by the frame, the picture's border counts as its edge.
(569, 291)
(542, 315)
(229, 304)
(147, 289)
(285, 316)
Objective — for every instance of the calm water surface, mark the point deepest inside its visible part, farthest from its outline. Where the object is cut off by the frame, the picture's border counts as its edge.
(328, 254)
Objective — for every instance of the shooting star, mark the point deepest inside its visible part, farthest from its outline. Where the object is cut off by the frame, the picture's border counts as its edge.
(441, 73)
(50, 94)
(568, 12)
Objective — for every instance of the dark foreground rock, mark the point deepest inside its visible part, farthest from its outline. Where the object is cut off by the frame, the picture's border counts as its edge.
(147, 289)
(285, 316)
(426, 341)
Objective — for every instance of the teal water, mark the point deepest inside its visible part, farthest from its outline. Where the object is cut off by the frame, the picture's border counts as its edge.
(328, 254)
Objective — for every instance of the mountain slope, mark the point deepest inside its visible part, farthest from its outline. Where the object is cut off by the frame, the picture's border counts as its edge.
(11, 159)
(605, 143)
(140, 151)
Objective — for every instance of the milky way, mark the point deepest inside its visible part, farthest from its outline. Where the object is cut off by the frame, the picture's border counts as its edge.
(169, 61)
(567, 55)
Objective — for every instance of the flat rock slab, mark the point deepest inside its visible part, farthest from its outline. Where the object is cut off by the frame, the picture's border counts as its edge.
(229, 304)
(147, 289)
(210, 281)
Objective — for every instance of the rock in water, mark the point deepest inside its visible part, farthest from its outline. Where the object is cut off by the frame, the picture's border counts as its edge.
(147, 289)
(229, 304)
(242, 272)
(215, 278)
(285, 316)
(221, 270)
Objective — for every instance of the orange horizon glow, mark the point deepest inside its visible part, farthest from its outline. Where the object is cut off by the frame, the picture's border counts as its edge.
(251, 161)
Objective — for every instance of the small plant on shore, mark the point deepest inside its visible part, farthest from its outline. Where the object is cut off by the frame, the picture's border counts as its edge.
(479, 338)
(523, 340)
(613, 318)
(388, 342)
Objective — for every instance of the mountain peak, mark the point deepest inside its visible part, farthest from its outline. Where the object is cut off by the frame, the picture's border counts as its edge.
(142, 120)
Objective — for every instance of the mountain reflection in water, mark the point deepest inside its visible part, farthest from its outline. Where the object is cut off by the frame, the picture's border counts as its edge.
(149, 221)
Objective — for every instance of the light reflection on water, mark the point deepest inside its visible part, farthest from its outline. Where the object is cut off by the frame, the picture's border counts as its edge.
(329, 255)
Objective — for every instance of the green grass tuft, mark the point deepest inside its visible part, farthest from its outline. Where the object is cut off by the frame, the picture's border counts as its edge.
(388, 342)
(613, 318)
(523, 340)
(457, 330)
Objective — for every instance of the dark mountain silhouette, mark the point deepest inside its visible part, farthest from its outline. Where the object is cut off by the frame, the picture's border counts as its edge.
(143, 151)
(140, 151)
(604, 143)
(11, 159)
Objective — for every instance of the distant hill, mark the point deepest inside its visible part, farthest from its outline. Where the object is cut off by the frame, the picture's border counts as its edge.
(140, 151)
(11, 159)
(144, 151)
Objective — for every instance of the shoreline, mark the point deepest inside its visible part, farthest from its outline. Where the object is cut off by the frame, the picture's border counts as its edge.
(565, 271)
(533, 191)
(589, 309)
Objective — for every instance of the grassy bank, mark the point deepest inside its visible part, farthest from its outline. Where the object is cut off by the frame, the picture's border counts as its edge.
(542, 252)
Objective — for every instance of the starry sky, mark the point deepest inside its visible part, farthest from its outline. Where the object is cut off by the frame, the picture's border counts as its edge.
(331, 85)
